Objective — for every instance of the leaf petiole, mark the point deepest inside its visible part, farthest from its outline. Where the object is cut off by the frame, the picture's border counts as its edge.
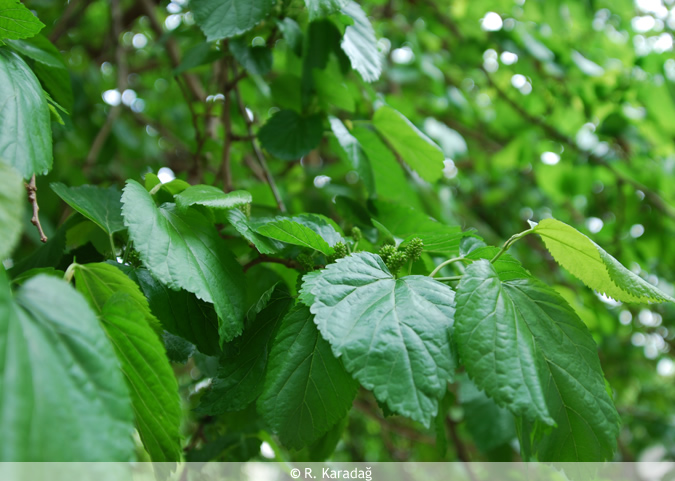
(447, 263)
(510, 242)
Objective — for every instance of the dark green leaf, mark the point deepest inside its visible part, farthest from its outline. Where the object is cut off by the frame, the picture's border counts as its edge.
(62, 394)
(101, 206)
(306, 389)
(525, 346)
(220, 19)
(289, 136)
(256, 60)
(393, 334)
(185, 252)
(26, 134)
(291, 232)
(242, 365)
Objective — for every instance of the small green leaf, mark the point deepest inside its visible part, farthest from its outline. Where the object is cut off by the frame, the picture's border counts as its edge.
(415, 148)
(593, 266)
(62, 394)
(306, 389)
(289, 136)
(212, 198)
(26, 134)
(323, 8)
(40, 49)
(186, 252)
(239, 380)
(255, 60)
(360, 44)
(263, 244)
(354, 152)
(101, 206)
(12, 205)
(152, 384)
(292, 34)
(201, 54)
(220, 19)
(16, 21)
(289, 231)
(526, 347)
(393, 335)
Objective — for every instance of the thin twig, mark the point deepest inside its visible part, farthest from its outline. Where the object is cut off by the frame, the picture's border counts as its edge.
(260, 156)
(31, 188)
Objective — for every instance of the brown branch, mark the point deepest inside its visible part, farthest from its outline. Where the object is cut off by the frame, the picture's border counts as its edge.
(31, 188)
(259, 155)
(291, 264)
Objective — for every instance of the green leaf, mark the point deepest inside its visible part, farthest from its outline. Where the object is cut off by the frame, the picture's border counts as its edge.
(292, 34)
(526, 347)
(323, 8)
(263, 244)
(152, 384)
(322, 39)
(393, 334)
(16, 21)
(101, 206)
(256, 60)
(415, 148)
(306, 389)
(62, 395)
(360, 44)
(201, 54)
(289, 231)
(239, 380)
(593, 266)
(308, 282)
(354, 152)
(220, 19)
(180, 312)
(126, 318)
(26, 134)
(12, 205)
(185, 252)
(40, 49)
(212, 198)
(289, 136)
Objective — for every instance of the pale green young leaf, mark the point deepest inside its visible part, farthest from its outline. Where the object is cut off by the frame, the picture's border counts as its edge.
(323, 8)
(288, 135)
(263, 244)
(360, 44)
(101, 206)
(152, 384)
(393, 335)
(239, 380)
(186, 252)
(291, 232)
(593, 266)
(26, 134)
(529, 351)
(16, 21)
(306, 389)
(12, 205)
(220, 19)
(62, 394)
(415, 148)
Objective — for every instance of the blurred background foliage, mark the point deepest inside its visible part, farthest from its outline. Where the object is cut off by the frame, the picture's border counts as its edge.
(562, 108)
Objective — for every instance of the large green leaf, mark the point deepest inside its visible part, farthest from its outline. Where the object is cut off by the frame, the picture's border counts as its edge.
(126, 318)
(239, 380)
(289, 136)
(306, 390)
(360, 44)
(184, 251)
(393, 334)
(101, 206)
(226, 18)
(595, 267)
(289, 231)
(415, 148)
(180, 312)
(12, 205)
(526, 347)
(354, 152)
(322, 8)
(26, 134)
(62, 395)
(16, 21)
(152, 384)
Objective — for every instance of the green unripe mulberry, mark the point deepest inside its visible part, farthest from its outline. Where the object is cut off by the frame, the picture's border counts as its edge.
(414, 249)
